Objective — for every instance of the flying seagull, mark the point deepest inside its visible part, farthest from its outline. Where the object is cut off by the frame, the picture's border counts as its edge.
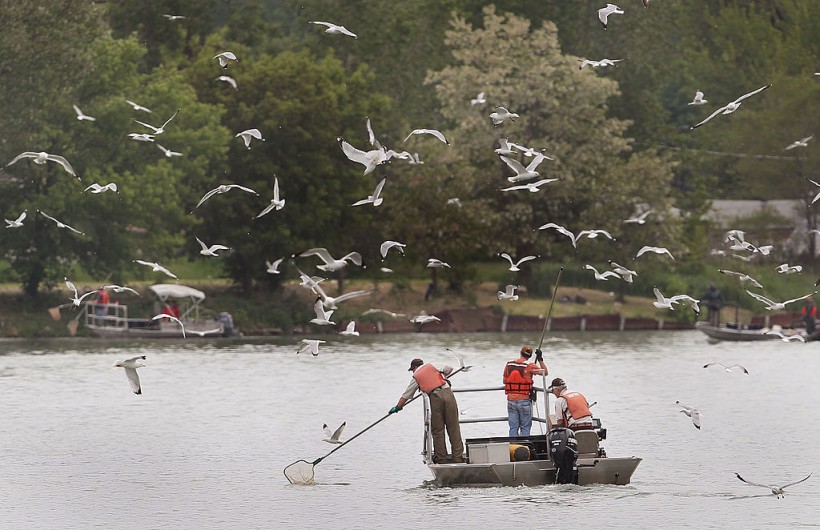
(335, 29)
(785, 268)
(333, 438)
(433, 263)
(776, 306)
(374, 199)
(804, 142)
(604, 12)
(332, 264)
(501, 114)
(163, 316)
(383, 312)
(61, 224)
(17, 223)
(76, 300)
(330, 302)
(119, 289)
(275, 203)
(174, 18)
(81, 116)
(533, 187)
(432, 132)
(590, 234)
(369, 159)
(141, 137)
(601, 276)
(656, 250)
(508, 293)
(731, 106)
(480, 99)
(249, 134)
(156, 267)
(638, 219)
(786, 338)
(228, 79)
(350, 330)
(698, 99)
(385, 247)
(42, 157)
(137, 106)
(742, 277)
(514, 265)
(273, 268)
(161, 129)
(777, 491)
(224, 58)
(727, 368)
(322, 316)
(210, 250)
(223, 188)
(623, 272)
(131, 366)
(692, 412)
(424, 318)
(167, 152)
(311, 345)
(521, 172)
(598, 64)
(96, 188)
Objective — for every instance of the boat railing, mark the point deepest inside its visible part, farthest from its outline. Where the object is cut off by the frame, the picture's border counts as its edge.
(106, 315)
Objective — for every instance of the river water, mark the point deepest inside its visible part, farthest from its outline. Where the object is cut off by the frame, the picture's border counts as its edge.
(206, 443)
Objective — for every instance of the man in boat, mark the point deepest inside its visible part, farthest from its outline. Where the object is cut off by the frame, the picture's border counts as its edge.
(443, 408)
(518, 387)
(571, 408)
(713, 301)
(809, 316)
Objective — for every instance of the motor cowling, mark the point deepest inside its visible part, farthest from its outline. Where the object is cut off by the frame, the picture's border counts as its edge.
(563, 452)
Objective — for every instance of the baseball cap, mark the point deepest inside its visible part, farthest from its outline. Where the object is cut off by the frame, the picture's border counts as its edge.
(557, 383)
(526, 350)
(415, 363)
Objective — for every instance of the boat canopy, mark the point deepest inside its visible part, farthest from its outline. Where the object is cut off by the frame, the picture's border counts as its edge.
(167, 290)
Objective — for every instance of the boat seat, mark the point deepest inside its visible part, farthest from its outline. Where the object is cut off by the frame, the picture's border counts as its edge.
(587, 443)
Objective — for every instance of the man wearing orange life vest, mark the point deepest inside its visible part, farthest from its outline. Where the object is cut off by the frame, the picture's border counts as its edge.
(571, 408)
(518, 385)
(809, 315)
(443, 408)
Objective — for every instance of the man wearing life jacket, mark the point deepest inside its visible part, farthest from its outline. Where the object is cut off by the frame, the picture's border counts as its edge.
(809, 315)
(518, 386)
(443, 408)
(571, 408)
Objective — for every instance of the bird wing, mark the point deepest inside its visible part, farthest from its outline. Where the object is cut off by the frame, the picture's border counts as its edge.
(707, 365)
(175, 319)
(203, 245)
(535, 161)
(328, 24)
(753, 483)
(25, 154)
(798, 298)
(355, 257)
(321, 252)
(797, 482)
(560, 229)
(356, 155)
(590, 267)
(718, 111)
(155, 129)
(169, 119)
(378, 190)
(133, 380)
(525, 259)
(527, 186)
(731, 273)
(762, 298)
(351, 326)
(206, 197)
(752, 93)
(695, 415)
(660, 297)
(243, 188)
(507, 257)
(515, 165)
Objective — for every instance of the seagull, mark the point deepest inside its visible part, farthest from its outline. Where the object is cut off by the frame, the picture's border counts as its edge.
(137, 106)
(42, 157)
(799, 143)
(168, 153)
(727, 368)
(533, 187)
(514, 265)
(172, 318)
(131, 366)
(332, 264)
(731, 106)
(454, 200)
(777, 491)
(309, 282)
(161, 129)
(590, 234)
(333, 438)
(275, 203)
(622, 271)
(248, 134)
(432, 132)
(508, 294)
(504, 147)
(785, 268)
(424, 318)
(501, 114)
(61, 224)
(141, 137)
(601, 276)
(385, 269)
(81, 116)
(742, 277)
(775, 306)
(383, 312)
(369, 159)
(228, 79)
(322, 316)
(786, 338)
(692, 413)
(223, 188)
(698, 99)
(96, 188)
(656, 250)
(460, 358)
(434, 263)
(639, 219)
(522, 173)
(174, 18)
(119, 289)
(75, 300)
(17, 223)
(224, 58)
(598, 64)
(350, 330)
(334, 29)
(210, 250)
(480, 99)
(385, 247)
(668, 303)
(330, 302)
(604, 12)
(374, 199)
(311, 345)
(273, 268)
(156, 267)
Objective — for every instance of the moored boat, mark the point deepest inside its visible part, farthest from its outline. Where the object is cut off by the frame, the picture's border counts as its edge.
(734, 332)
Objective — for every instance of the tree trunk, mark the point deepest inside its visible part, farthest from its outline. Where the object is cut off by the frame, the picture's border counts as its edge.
(31, 285)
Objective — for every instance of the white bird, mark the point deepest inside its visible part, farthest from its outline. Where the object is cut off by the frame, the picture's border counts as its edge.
(141, 137)
(174, 18)
(777, 491)
(776, 306)
(163, 316)
(454, 200)
(119, 289)
(656, 250)
(249, 134)
(156, 267)
(332, 264)
(331, 302)
(371, 137)
(333, 438)
(500, 115)
(96, 188)
(61, 224)
(533, 187)
(434, 263)
(514, 265)
(81, 116)
(369, 159)
(168, 153)
(335, 29)
(504, 147)
(77, 300)
(508, 293)
(521, 172)
(785, 268)
(42, 157)
(385, 269)
(350, 330)
(311, 345)
(223, 188)
(225, 58)
(273, 268)
(799, 143)
(276, 203)
(385, 247)
(693, 303)
(131, 366)
(698, 99)
(309, 282)
(604, 12)
(322, 316)
(228, 79)
(480, 99)
(786, 338)
(391, 314)
(623, 272)
(731, 106)
(210, 250)
(424, 318)
(17, 223)
(692, 412)
(161, 129)
(662, 302)
(742, 277)
(137, 106)
(601, 276)
(374, 199)
(590, 234)
(727, 368)
(598, 64)
(432, 132)
(639, 219)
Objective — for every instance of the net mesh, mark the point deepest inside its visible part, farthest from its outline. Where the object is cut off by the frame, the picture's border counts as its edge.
(300, 473)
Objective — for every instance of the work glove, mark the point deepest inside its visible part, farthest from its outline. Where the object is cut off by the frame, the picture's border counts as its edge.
(539, 356)
(394, 409)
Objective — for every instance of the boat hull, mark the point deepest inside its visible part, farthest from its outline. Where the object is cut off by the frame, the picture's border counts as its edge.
(733, 334)
(193, 329)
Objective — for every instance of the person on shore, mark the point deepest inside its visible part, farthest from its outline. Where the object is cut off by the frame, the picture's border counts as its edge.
(714, 302)
(571, 408)
(809, 315)
(443, 408)
(518, 387)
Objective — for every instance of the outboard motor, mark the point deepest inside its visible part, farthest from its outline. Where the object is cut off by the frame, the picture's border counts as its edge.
(227, 323)
(563, 452)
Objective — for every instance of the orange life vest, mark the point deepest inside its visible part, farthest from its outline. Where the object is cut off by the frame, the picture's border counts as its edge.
(514, 380)
(428, 377)
(576, 405)
(812, 311)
